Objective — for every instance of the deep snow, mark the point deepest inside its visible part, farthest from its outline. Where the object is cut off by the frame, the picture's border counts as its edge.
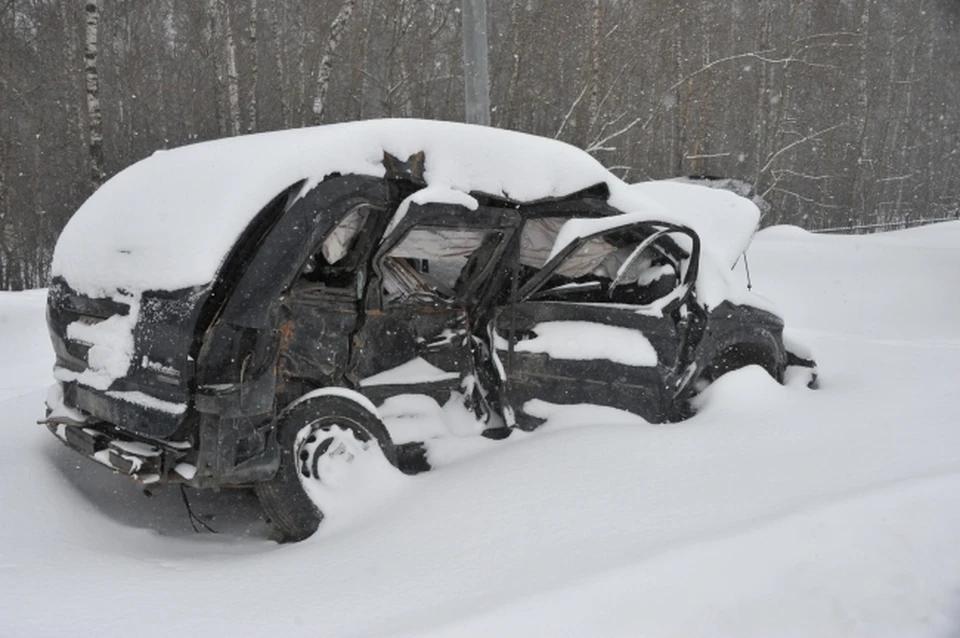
(776, 511)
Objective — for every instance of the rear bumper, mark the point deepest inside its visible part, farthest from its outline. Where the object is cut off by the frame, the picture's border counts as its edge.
(145, 462)
(128, 407)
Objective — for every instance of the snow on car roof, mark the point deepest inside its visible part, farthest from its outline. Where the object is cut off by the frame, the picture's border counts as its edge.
(168, 221)
(724, 220)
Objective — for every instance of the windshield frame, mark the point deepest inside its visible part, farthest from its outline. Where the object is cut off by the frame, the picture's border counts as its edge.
(651, 230)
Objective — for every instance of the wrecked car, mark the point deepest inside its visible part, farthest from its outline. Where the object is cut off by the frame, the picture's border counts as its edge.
(235, 313)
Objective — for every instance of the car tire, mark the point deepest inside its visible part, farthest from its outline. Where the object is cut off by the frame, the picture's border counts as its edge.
(739, 356)
(309, 433)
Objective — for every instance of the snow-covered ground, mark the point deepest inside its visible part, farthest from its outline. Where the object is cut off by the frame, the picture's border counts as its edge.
(776, 511)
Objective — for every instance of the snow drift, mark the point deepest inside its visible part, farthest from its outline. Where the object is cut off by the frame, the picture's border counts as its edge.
(776, 511)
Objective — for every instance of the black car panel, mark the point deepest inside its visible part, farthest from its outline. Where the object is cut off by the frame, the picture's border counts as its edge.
(571, 353)
(330, 288)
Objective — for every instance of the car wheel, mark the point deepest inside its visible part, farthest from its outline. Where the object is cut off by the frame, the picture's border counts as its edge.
(322, 441)
(736, 357)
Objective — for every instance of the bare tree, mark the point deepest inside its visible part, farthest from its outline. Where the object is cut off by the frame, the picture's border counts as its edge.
(254, 69)
(280, 64)
(214, 34)
(597, 66)
(92, 10)
(837, 111)
(230, 57)
(326, 62)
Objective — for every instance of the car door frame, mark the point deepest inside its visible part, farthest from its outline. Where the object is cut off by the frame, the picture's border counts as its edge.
(659, 404)
(410, 323)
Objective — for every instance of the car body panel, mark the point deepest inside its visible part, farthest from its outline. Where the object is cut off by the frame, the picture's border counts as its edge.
(330, 286)
(576, 364)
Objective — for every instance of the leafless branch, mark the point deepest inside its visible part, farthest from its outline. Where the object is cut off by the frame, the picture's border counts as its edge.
(600, 145)
(614, 84)
(706, 156)
(796, 143)
(573, 106)
(786, 171)
(805, 199)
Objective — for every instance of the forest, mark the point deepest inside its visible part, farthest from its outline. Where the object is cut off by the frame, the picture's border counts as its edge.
(839, 112)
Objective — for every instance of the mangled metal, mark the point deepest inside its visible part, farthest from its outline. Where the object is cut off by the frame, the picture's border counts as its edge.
(330, 288)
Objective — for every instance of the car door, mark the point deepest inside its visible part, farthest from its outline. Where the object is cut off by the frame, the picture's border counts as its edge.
(599, 323)
(421, 302)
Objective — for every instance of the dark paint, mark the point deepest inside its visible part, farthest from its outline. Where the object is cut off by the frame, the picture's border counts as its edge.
(240, 349)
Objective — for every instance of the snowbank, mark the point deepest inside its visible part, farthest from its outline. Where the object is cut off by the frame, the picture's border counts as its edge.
(776, 511)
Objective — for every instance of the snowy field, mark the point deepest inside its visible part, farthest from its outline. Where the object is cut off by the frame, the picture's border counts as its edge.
(776, 511)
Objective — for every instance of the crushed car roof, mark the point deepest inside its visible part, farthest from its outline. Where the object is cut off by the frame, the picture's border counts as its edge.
(168, 221)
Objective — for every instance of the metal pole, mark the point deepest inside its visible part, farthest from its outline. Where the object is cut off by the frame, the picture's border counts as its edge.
(476, 81)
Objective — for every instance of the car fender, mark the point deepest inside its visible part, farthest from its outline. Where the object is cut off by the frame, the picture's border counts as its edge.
(758, 333)
(344, 393)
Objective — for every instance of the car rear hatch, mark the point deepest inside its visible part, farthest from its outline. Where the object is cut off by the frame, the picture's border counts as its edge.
(126, 359)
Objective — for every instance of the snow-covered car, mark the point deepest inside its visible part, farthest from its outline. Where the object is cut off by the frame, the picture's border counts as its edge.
(233, 313)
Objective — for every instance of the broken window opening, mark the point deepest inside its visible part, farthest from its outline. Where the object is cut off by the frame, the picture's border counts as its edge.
(617, 268)
(430, 265)
(331, 266)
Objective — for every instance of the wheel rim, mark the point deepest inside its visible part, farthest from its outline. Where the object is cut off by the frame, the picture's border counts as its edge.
(327, 452)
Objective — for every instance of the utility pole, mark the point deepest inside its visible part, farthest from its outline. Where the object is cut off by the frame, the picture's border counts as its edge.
(476, 80)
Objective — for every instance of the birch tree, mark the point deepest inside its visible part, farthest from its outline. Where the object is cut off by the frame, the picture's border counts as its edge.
(326, 61)
(841, 112)
(230, 58)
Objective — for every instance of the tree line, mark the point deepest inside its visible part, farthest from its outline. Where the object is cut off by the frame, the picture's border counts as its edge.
(838, 111)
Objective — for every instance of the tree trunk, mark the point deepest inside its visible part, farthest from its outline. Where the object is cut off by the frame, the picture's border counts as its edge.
(278, 51)
(7, 238)
(301, 75)
(359, 79)
(597, 69)
(230, 58)
(254, 69)
(510, 117)
(863, 99)
(93, 94)
(326, 62)
(215, 34)
(72, 106)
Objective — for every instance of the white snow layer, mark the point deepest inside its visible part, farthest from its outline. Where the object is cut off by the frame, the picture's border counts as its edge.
(111, 346)
(147, 401)
(724, 220)
(168, 221)
(440, 194)
(585, 340)
(775, 511)
(417, 370)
